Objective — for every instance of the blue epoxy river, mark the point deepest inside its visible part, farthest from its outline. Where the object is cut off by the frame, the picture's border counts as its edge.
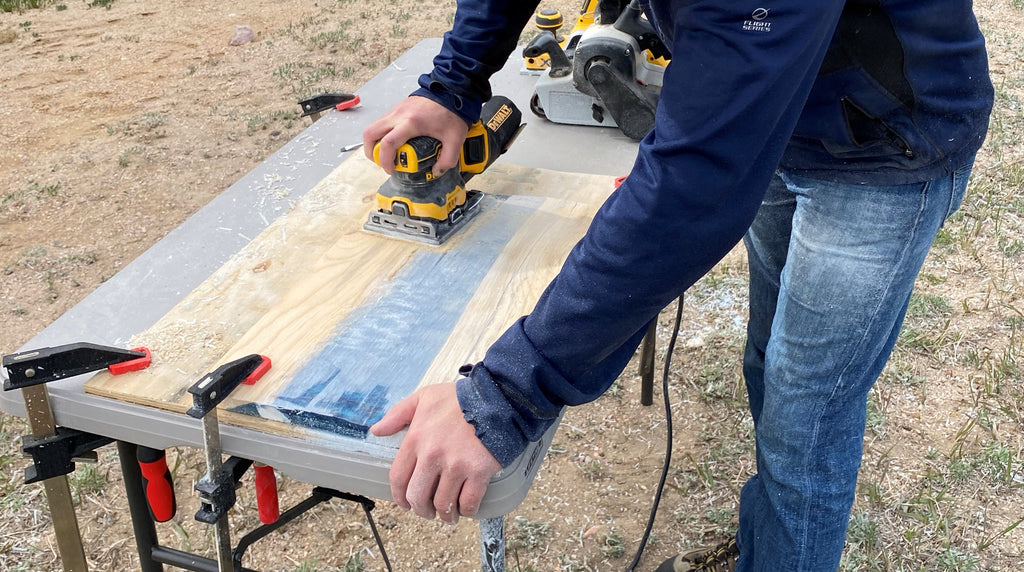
(380, 352)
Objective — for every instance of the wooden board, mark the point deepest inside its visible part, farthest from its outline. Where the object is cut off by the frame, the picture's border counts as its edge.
(355, 321)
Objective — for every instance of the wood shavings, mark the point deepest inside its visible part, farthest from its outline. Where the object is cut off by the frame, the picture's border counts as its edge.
(182, 341)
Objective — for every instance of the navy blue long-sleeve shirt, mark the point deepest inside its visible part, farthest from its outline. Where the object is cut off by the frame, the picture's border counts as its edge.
(860, 91)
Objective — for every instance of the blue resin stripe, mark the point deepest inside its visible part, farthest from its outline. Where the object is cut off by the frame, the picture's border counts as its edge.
(380, 352)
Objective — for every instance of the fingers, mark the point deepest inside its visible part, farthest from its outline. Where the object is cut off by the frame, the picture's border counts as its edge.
(390, 138)
(412, 117)
(433, 488)
(404, 464)
(421, 489)
(397, 417)
(448, 492)
(373, 133)
(460, 491)
(449, 157)
(442, 468)
(472, 493)
(446, 498)
(401, 474)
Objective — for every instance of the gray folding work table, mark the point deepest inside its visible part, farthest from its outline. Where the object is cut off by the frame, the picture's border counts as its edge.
(152, 284)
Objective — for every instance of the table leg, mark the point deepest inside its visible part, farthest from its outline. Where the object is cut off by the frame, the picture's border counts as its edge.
(138, 507)
(492, 544)
(647, 363)
(58, 492)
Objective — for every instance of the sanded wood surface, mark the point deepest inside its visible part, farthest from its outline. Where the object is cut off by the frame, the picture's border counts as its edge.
(355, 321)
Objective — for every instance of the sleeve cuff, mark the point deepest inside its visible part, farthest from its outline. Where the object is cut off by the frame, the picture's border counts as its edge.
(467, 108)
(502, 396)
(486, 408)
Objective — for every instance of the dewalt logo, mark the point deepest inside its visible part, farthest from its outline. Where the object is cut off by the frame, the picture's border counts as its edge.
(499, 117)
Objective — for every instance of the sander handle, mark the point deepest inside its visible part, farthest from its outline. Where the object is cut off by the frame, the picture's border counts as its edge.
(490, 136)
(499, 125)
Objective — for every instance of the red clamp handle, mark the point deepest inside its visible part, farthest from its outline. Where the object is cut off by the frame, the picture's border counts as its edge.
(157, 483)
(266, 493)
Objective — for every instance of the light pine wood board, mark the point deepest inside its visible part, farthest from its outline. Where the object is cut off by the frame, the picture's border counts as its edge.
(355, 321)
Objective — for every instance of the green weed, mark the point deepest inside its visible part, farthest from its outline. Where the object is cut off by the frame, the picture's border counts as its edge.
(528, 534)
(22, 5)
(988, 542)
(125, 157)
(996, 462)
(261, 121)
(41, 191)
(926, 305)
(875, 418)
(862, 531)
(953, 560)
(613, 545)
(151, 121)
(720, 516)
(183, 536)
(926, 341)
(354, 563)
(901, 374)
(306, 79)
(147, 126)
(322, 40)
(87, 479)
(1011, 248)
(592, 470)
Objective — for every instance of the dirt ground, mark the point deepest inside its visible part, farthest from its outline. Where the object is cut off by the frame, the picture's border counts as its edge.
(120, 118)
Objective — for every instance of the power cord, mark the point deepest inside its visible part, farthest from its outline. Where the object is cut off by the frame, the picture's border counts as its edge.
(668, 437)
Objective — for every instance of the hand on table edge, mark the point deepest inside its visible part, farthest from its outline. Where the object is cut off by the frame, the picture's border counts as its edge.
(412, 117)
(441, 467)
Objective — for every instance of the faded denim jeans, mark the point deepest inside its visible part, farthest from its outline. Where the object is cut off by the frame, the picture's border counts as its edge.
(831, 270)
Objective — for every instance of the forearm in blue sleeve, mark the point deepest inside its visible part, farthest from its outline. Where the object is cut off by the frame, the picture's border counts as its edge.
(481, 39)
(730, 100)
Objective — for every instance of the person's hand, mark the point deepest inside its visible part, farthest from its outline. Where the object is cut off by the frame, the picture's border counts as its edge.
(412, 117)
(441, 466)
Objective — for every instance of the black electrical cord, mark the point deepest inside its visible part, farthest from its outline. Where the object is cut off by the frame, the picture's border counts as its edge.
(668, 437)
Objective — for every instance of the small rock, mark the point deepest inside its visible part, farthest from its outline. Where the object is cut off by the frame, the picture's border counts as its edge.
(242, 35)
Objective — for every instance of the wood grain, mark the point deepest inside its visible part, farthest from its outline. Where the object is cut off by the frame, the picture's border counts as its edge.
(354, 321)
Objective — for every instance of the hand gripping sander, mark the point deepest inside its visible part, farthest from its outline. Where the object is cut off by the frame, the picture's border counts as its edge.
(414, 204)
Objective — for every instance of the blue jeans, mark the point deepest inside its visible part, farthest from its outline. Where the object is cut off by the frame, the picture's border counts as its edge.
(831, 270)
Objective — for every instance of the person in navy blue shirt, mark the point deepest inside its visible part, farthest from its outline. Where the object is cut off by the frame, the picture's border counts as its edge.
(833, 137)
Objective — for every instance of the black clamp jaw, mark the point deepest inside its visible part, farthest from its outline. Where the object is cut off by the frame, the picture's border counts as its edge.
(217, 494)
(217, 487)
(317, 104)
(44, 365)
(208, 392)
(54, 455)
